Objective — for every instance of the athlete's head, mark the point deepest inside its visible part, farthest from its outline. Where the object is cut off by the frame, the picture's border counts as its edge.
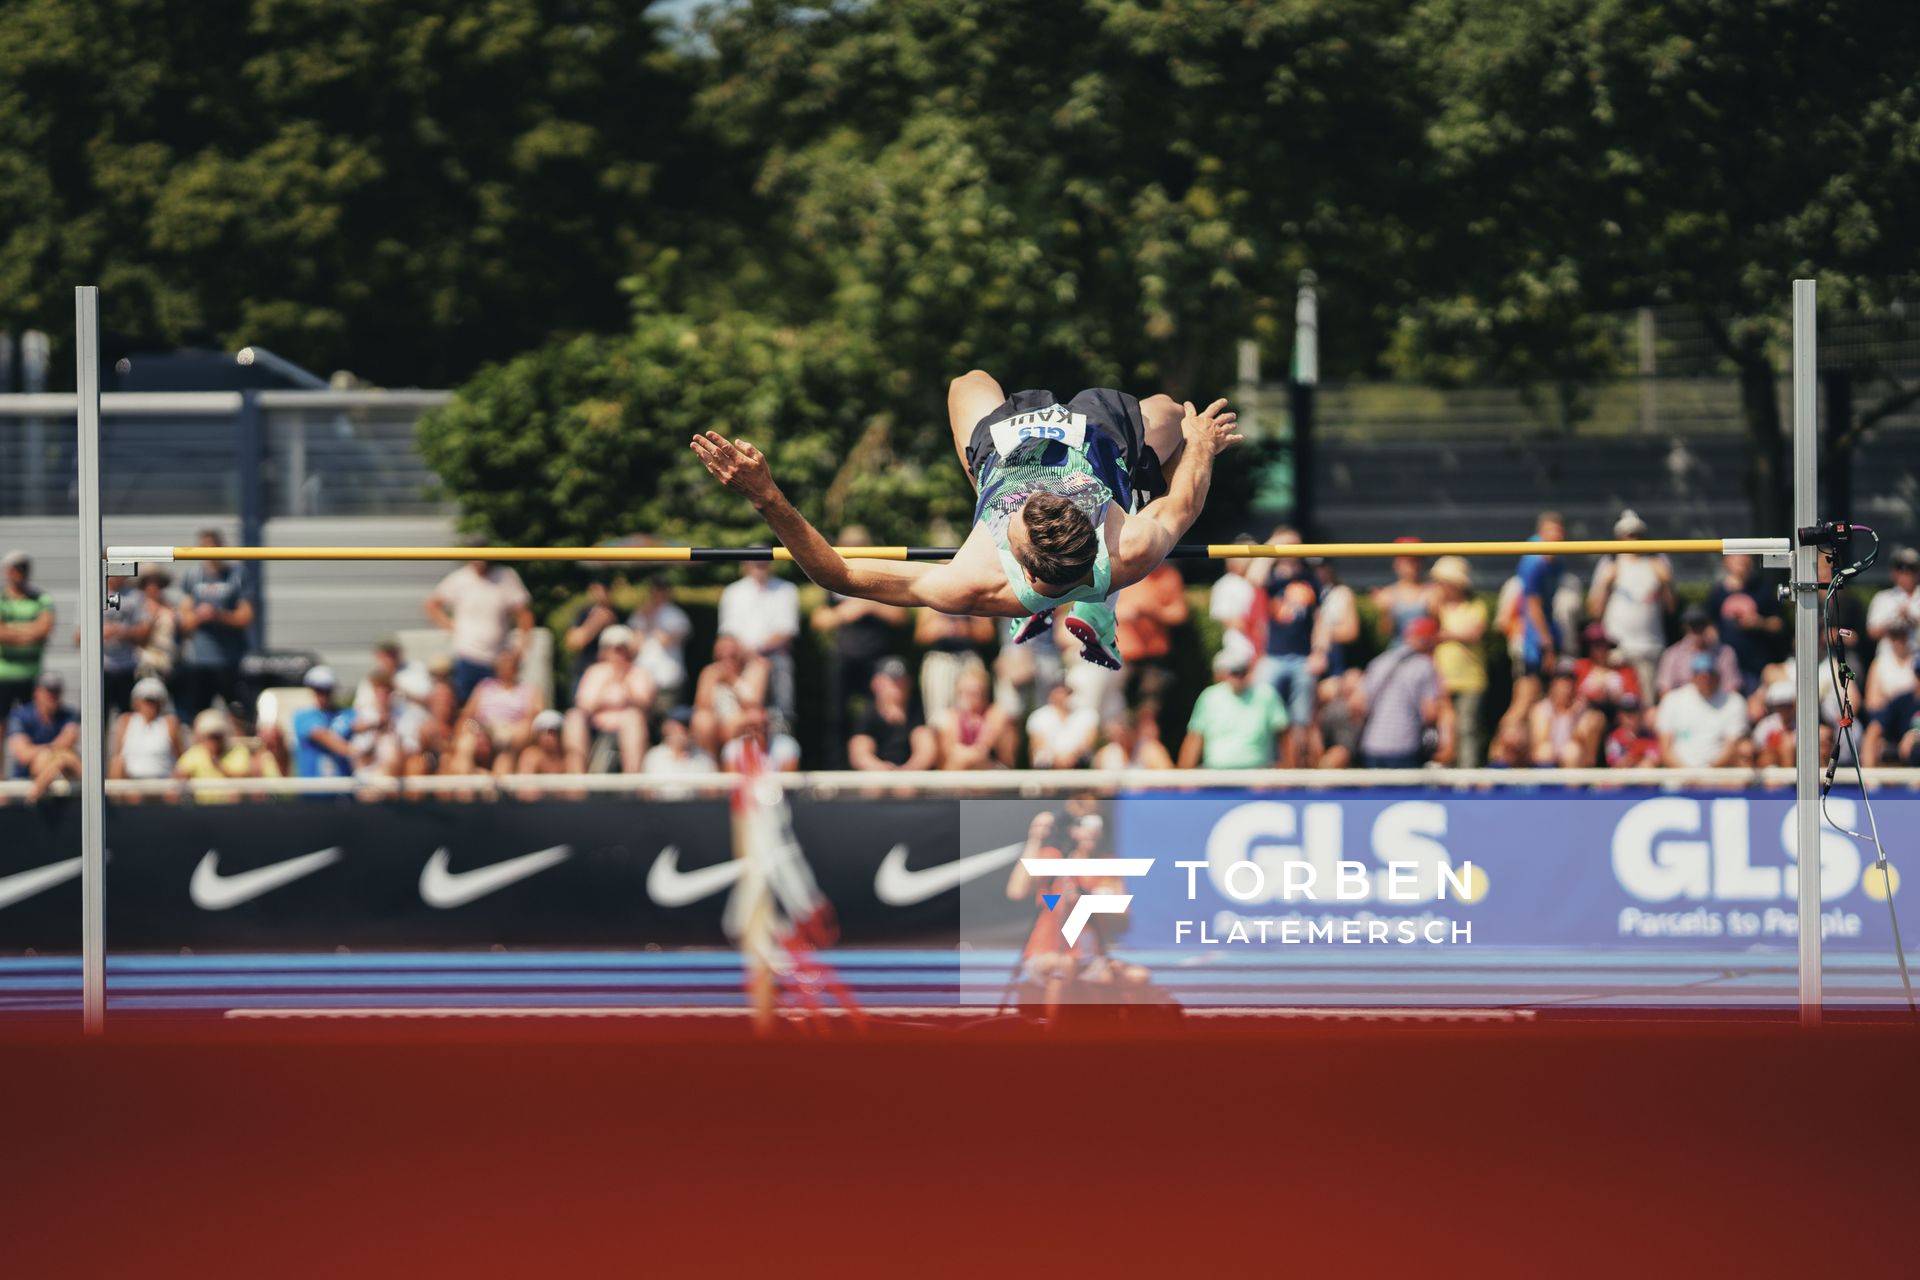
(1061, 544)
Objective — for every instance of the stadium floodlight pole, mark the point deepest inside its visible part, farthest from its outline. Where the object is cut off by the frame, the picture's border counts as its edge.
(1806, 649)
(93, 701)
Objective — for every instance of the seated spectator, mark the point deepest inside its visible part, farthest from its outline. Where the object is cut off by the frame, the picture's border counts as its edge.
(1060, 735)
(1402, 600)
(1458, 654)
(892, 734)
(778, 750)
(1702, 723)
(1401, 702)
(480, 605)
(407, 682)
(544, 752)
(501, 710)
(386, 727)
(975, 733)
(439, 719)
(146, 740)
(1147, 614)
(1237, 721)
(1102, 691)
(1633, 743)
(662, 628)
(1512, 746)
(1773, 736)
(1127, 747)
(762, 612)
(1676, 664)
(322, 734)
(1602, 676)
(1893, 736)
(1334, 740)
(863, 632)
(582, 637)
(43, 736)
(731, 685)
(1897, 603)
(677, 752)
(610, 708)
(1747, 617)
(1560, 724)
(948, 644)
(1891, 673)
(1632, 595)
(216, 753)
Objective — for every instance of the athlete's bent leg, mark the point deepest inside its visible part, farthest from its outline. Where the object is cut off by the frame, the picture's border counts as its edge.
(1162, 415)
(972, 396)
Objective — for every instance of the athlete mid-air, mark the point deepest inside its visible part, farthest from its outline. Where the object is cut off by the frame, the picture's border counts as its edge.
(1075, 501)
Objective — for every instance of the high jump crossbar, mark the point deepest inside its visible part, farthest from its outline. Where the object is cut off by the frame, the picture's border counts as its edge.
(132, 555)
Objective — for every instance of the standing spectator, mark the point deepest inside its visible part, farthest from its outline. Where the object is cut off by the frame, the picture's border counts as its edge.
(1702, 723)
(863, 632)
(1892, 672)
(729, 686)
(1459, 655)
(662, 628)
(146, 740)
(1633, 743)
(1147, 613)
(1339, 623)
(123, 630)
(677, 752)
(777, 748)
(1529, 618)
(1897, 602)
(976, 733)
(1561, 726)
(1631, 597)
(26, 620)
(1402, 600)
(323, 734)
(949, 643)
(1676, 664)
(582, 638)
(480, 604)
(1773, 736)
(1293, 637)
(1237, 721)
(892, 734)
(1129, 747)
(1060, 735)
(1893, 737)
(215, 615)
(762, 612)
(43, 736)
(1400, 699)
(610, 707)
(1747, 618)
(161, 647)
(216, 753)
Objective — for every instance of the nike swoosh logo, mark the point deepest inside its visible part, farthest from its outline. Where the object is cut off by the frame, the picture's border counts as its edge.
(22, 885)
(442, 888)
(669, 886)
(896, 886)
(212, 891)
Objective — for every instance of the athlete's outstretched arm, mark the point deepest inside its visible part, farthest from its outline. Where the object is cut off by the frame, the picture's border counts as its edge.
(1150, 534)
(743, 469)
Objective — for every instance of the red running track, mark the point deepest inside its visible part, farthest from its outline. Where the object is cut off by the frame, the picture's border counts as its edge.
(557, 1148)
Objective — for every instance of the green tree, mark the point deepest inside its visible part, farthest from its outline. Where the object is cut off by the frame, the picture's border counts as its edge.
(405, 187)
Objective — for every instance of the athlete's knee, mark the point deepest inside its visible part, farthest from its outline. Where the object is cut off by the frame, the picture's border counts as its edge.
(970, 380)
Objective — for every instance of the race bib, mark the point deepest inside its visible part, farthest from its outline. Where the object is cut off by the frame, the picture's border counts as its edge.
(1055, 424)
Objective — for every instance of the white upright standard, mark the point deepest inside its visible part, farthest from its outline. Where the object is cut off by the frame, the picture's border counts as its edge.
(1806, 650)
(93, 701)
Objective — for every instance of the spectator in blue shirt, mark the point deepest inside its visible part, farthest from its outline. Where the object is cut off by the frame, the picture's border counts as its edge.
(1893, 737)
(1531, 619)
(43, 736)
(322, 735)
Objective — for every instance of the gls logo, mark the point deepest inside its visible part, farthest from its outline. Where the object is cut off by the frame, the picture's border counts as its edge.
(1662, 850)
(1087, 905)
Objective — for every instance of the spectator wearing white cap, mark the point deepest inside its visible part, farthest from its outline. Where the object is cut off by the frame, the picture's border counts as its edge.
(147, 740)
(544, 751)
(1631, 596)
(1237, 721)
(26, 620)
(323, 733)
(43, 736)
(1897, 603)
(1773, 736)
(1459, 654)
(610, 707)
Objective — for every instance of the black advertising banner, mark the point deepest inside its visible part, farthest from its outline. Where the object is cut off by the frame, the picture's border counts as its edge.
(435, 874)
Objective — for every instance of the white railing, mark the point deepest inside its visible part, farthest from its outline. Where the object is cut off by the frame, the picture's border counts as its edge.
(995, 781)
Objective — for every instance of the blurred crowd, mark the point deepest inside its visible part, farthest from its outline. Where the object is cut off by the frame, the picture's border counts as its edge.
(1544, 670)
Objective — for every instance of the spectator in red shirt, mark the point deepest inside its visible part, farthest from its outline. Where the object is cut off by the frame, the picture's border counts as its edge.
(1633, 743)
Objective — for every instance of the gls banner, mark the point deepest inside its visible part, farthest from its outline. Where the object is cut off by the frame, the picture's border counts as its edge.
(1627, 869)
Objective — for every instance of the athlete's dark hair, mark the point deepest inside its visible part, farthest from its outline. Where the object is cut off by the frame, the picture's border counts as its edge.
(1060, 540)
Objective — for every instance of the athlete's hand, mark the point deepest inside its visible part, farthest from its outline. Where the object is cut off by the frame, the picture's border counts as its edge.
(1211, 429)
(737, 465)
